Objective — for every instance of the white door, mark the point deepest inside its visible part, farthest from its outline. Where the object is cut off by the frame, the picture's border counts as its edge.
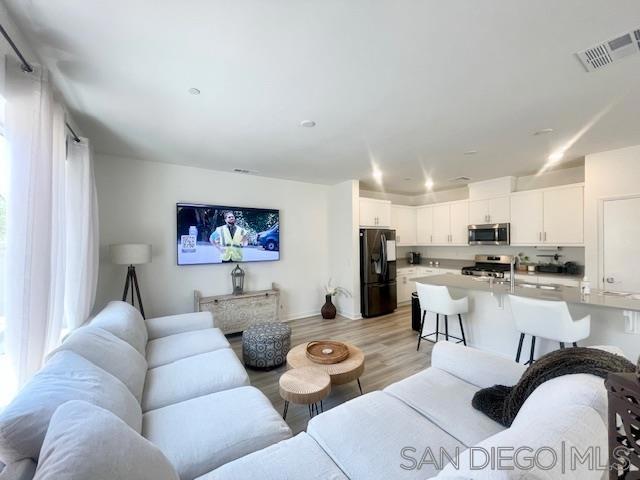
(424, 226)
(478, 212)
(383, 212)
(367, 213)
(621, 248)
(499, 210)
(460, 223)
(441, 225)
(563, 216)
(526, 218)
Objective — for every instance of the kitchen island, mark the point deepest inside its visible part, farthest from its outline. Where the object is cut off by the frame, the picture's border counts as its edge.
(490, 326)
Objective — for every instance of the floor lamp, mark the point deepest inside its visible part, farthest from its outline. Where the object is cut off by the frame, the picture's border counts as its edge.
(131, 254)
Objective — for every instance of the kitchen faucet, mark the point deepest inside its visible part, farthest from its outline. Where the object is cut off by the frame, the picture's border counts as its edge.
(512, 277)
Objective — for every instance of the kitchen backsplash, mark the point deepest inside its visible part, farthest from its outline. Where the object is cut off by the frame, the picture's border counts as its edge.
(567, 254)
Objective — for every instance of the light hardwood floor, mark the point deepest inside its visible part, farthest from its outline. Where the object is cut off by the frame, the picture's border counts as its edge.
(389, 345)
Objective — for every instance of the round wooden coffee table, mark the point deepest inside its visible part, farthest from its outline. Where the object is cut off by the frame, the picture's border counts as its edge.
(343, 372)
(306, 386)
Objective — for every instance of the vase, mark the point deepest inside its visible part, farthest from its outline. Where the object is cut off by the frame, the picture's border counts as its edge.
(328, 310)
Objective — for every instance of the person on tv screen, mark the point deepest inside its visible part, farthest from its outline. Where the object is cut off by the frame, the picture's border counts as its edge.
(229, 239)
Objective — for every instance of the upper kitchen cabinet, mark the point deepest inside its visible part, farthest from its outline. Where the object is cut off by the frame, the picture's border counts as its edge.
(375, 213)
(424, 225)
(564, 216)
(553, 216)
(403, 220)
(491, 210)
(450, 223)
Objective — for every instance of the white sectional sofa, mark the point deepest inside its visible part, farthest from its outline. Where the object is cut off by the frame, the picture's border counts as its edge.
(173, 381)
(398, 433)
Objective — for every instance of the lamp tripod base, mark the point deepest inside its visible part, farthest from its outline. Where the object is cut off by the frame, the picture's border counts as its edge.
(132, 281)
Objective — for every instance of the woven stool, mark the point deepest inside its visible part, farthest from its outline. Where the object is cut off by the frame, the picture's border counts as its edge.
(266, 345)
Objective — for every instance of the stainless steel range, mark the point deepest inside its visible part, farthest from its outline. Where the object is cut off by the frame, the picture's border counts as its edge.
(489, 266)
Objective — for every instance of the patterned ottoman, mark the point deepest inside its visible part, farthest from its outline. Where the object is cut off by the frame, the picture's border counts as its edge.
(266, 345)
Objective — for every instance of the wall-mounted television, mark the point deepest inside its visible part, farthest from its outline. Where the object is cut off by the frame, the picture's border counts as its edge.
(222, 234)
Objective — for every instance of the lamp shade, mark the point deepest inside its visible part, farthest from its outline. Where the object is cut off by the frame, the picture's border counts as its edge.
(130, 253)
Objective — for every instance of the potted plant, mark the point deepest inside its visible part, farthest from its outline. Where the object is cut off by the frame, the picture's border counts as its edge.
(328, 310)
(523, 262)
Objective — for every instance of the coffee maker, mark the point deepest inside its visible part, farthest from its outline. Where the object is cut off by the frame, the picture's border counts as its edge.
(413, 258)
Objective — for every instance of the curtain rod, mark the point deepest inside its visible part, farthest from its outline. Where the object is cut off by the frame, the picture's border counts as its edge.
(26, 66)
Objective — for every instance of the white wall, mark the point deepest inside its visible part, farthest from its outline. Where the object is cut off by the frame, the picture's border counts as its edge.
(137, 201)
(344, 245)
(607, 174)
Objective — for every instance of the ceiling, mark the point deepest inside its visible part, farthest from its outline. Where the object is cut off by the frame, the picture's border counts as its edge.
(405, 85)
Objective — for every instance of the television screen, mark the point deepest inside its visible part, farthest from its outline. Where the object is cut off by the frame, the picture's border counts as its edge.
(219, 234)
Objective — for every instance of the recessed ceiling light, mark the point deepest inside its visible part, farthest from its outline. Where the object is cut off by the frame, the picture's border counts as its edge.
(377, 175)
(543, 131)
(307, 123)
(470, 152)
(429, 183)
(194, 91)
(556, 156)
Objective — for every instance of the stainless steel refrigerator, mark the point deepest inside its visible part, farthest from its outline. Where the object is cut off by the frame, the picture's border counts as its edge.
(378, 288)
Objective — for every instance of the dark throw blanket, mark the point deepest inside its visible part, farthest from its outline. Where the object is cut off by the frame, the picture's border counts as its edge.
(502, 403)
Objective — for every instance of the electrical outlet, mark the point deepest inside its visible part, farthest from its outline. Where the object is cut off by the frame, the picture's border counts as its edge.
(631, 322)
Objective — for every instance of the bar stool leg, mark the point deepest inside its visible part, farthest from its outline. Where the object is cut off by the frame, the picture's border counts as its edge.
(519, 348)
(561, 345)
(464, 340)
(424, 314)
(286, 408)
(360, 386)
(437, 326)
(321, 406)
(446, 327)
(533, 348)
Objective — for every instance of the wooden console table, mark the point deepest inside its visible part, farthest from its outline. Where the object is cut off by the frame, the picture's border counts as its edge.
(235, 313)
(624, 426)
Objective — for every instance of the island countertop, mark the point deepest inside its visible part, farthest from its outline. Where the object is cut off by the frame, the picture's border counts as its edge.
(571, 295)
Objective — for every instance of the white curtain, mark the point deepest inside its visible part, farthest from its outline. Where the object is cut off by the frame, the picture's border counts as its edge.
(50, 267)
(82, 235)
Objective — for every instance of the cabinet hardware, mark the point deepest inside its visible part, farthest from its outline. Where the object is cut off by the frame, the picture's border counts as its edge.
(545, 236)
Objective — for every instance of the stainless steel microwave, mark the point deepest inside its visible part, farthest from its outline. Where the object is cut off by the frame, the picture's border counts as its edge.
(490, 234)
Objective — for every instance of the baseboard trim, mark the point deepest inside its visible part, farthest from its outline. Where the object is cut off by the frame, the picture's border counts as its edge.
(350, 316)
(297, 316)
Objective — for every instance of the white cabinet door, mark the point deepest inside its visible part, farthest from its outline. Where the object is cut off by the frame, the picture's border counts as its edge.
(375, 213)
(621, 249)
(459, 213)
(563, 216)
(441, 225)
(526, 218)
(403, 220)
(424, 226)
(478, 212)
(404, 289)
(499, 210)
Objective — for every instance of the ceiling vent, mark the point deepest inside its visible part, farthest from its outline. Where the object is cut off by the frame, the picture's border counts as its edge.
(460, 180)
(244, 170)
(607, 52)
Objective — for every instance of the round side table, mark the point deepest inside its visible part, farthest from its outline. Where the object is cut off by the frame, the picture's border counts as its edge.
(348, 370)
(304, 386)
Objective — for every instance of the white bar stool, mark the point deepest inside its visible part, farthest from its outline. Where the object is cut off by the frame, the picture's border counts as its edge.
(548, 319)
(437, 299)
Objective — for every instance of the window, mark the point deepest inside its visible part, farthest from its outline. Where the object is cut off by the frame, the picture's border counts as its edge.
(5, 367)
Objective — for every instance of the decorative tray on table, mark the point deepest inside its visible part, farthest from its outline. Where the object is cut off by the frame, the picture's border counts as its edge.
(327, 352)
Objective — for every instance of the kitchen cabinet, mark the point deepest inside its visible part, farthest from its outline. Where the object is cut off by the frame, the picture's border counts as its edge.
(404, 285)
(441, 224)
(564, 216)
(552, 216)
(375, 213)
(403, 220)
(424, 226)
(450, 223)
(491, 210)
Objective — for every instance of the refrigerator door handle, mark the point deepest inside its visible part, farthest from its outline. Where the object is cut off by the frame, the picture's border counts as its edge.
(383, 250)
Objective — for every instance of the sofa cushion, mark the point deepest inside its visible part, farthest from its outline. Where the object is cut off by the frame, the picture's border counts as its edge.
(201, 434)
(20, 470)
(66, 376)
(185, 322)
(110, 353)
(182, 345)
(88, 442)
(477, 367)
(193, 377)
(125, 322)
(296, 458)
(446, 401)
(559, 432)
(577, 389)
(379, 436)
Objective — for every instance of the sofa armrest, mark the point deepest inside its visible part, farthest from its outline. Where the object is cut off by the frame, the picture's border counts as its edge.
(478, 367)
(172, 324)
